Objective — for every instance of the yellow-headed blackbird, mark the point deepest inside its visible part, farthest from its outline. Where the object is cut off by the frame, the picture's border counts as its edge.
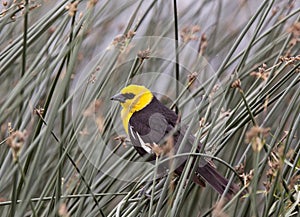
(149, 124)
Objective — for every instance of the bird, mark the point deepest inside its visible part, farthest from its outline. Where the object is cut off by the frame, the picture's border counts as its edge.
(152, 127)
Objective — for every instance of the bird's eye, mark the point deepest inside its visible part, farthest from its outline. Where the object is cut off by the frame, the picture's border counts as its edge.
(128, 95)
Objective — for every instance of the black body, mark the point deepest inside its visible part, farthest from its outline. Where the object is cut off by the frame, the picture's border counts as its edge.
(152, 124)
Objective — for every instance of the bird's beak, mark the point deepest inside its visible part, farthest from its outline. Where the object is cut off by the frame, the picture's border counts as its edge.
(119, 97)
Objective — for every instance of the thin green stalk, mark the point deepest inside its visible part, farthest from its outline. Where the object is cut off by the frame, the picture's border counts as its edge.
(254, 185)
(73, 196)
(248, 107)
(153, 187)
(14, 193)
(176, 32)
(24, 53)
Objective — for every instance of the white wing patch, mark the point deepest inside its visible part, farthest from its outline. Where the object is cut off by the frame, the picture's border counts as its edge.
(144, 146)
(131, 132)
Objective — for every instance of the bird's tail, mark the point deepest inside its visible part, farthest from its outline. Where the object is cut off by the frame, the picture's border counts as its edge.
(216, 180)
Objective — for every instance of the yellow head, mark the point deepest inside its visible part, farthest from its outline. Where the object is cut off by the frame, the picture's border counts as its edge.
(133, 98)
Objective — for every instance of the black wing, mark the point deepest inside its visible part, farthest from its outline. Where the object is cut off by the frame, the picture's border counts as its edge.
(148, 135)
(150, 126)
